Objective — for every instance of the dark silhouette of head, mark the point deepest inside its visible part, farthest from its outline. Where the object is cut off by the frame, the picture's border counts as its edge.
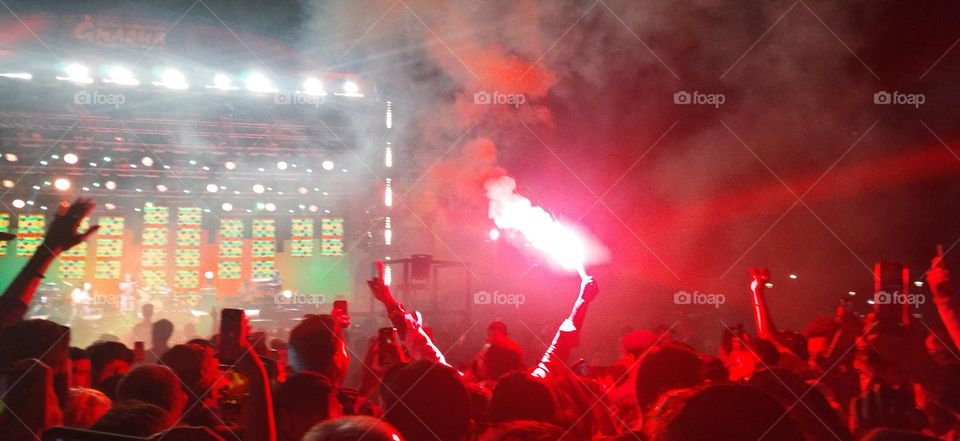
(527, 431)
(302, 401)
(665, 368)
(499, 359)
(353, 428)
(161, 333)
(520, 396)
(134, 418)
(316, 345)
(154, 384)
(426, 400)
(195, 366)
(107, 359)
(766, 351)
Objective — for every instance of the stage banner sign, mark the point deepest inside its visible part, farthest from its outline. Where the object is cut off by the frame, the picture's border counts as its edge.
(73, 262)
(331, 239)
(4, 228)
(301, 232)
(154, 261)
(29, 233)
(231, 248)
(264, 247)
(109, 247)
(189, 220)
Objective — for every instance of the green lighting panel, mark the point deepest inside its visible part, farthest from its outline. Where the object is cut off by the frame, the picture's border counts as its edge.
(29, 234)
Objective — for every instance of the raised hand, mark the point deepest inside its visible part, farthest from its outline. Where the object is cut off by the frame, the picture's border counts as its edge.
(939, 277)
(589, 289)
(760, 276)
(62, 234)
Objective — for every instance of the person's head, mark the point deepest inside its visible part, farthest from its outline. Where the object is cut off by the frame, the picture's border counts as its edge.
(80, 367)
(316, 345)
(520, 396)
(147, 311)
(426, 400)
(352, 428)
(154, 384)
(635, 343)
(107, 359)
(134, 418)
(499, 359)
(664, 368)
(527, 431)
(196, 367)
(728, 412)
(302, 401)
(44, 340)
(811, 412)
(895, 435)
(766, 352)
(819, 333)
(162, 330)
(85, 407)
(496, 329)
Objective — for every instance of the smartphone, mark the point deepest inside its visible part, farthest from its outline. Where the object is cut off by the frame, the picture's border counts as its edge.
(387, 336)
(890, 285)
(388, 352)
(340, 305)
(138, 352)
(231, 331)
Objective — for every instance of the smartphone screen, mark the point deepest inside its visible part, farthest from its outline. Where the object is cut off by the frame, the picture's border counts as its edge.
(890, 280)
(138, 350)
(231, 329)
(340, 305)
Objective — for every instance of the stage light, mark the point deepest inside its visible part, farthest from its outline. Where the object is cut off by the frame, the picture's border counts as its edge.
(172, 79)
(792, 276)
(208, 275)
(76, 73)
(328, 165)
(11, 157)
(17, 75)
(287, 293)
(388, 194)
(222, 82)
(161, 188)
(18, 203)
(122, 76)
(851, 293)
(312, 208)
(918, 283)
(146, 161)
(270, 206)
(229, 165)
(351, 88)
(388, 157)
(107, 159)
(70, 158)
(302, 190)
(212, 188)
(313, 86)
(258, 83)
(192, 162)
(62, 184)
(110, 206)
(282, 165)
(110, 185)
(8, 183)
(258, 188)
(494, 234)
(226, 206)
(768, 285)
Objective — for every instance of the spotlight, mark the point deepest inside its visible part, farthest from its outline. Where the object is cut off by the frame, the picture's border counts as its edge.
(226, 206)
(70, 158)
(258, 188)
(222, 82)
(17, 75)
(110, 185)
(328, 165)
(313, 86)
(351, 89)
(302, 190)
(918, 283)
(851, 293)
(230, 165)
(110, 206)
(257, 82)
(212, 188)
(8, 183)
(62, 184)
(11, 157)
(494, 234)
(269, 206)
(282, 165)
(312, 208)
(76, 73)
(18, 203)
(122, 76)
(792, 276)
(161, 188)
(768, 285)
(287, 293)
(146, 161)
(208, 275)
(172, 79)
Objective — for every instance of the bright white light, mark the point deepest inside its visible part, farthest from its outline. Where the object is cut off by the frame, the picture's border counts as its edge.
(302, 190)
(257, 82)
(287, 293)
(212, 188)
(328, 165)
(8, 183)
(269, 206)
(18, 203)
(313, 86)
(918, 283)
(222, 82)
(208, 275)
(161, 188)
(768, 285)
(852, 293)
(172, 79)
(76, 73)
(494, 234)
(282, 165)
(388, 157)
(11, 157)
(146, 161)
(110, 185)
(61, 184)
(70, 158)
(351, 88)
(792, 276)
(312, 208)
(258, 188)
(230, 165)
(226, 206)
(388, 194)
(17, 75)
(122, 76)
(110, 206)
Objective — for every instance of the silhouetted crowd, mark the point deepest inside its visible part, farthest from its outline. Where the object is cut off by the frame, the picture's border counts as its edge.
(845, 377)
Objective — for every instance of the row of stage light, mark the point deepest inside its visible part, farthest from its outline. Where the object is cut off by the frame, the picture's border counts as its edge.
(226, 207)
(174, 79)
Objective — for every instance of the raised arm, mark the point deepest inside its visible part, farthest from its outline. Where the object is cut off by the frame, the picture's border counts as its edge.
(761, 314)
(568, 334)
(946, 297)
(61, 236)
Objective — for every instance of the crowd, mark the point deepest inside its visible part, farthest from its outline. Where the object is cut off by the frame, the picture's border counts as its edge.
(841, 378)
